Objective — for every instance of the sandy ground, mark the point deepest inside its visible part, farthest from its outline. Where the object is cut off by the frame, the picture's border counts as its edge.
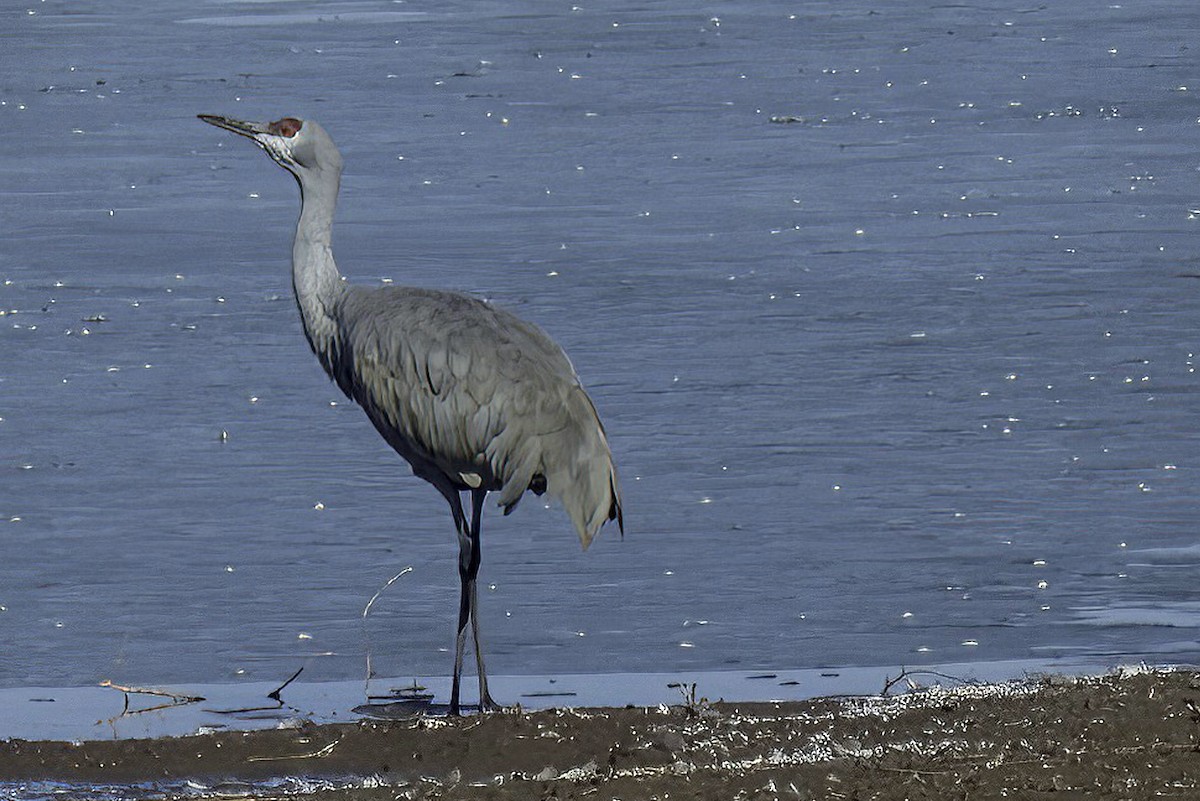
(1129, 734)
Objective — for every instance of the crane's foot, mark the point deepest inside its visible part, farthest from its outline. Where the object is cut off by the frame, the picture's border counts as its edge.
(488, 705)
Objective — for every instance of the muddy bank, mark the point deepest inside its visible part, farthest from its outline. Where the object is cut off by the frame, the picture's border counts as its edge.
(1129, 734)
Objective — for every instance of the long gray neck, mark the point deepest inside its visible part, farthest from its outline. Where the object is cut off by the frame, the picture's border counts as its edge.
(315, 277)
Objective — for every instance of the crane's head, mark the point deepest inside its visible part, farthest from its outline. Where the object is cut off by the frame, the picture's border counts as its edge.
(300, 147)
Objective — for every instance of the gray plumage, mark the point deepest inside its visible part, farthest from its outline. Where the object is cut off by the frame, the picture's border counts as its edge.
(474, 398)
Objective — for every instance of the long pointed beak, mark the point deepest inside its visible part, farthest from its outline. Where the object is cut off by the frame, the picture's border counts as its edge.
(250, 129)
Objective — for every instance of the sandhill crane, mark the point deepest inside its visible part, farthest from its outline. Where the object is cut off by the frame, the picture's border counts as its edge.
(474, 398)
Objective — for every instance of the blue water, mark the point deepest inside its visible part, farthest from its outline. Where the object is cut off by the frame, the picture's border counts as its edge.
(890, 311)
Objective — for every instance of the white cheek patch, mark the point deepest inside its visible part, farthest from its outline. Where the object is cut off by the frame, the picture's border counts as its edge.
(276, 147)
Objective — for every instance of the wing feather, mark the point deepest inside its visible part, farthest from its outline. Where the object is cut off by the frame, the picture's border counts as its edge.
(461, 388)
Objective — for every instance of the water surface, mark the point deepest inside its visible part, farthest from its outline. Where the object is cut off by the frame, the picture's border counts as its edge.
(890, 310)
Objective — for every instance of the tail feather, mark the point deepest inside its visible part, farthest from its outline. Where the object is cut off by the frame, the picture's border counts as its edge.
(589, 494)
(579, 471)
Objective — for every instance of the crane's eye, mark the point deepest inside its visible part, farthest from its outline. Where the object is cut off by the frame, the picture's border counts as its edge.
(287, 127)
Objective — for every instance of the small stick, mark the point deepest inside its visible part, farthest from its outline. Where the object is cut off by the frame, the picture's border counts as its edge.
(389, 583)
(366, 634)
(176, 697)
(905, 673)
(274, 694)
(326, 751)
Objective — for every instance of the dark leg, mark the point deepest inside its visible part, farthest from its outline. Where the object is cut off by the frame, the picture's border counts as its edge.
(486, 704)
(464, 607)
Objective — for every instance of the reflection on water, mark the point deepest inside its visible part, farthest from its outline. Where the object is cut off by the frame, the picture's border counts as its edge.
(889, 315)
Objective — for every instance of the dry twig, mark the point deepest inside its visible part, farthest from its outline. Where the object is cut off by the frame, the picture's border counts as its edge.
(176, 698)
(366, 636)
(326, 751)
